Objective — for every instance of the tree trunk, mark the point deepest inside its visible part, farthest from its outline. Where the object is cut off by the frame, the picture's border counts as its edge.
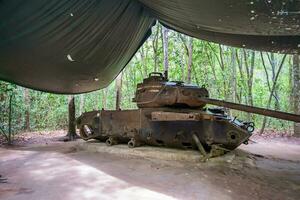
(104, 103)
(190, 60)
(9, 138)
(249, 72)
(273, 64)
(182, 64)
(239, 60)
(96, 101)
(272, 93)
(166, 50)
(72, 124)
(222, 66)
(296, 91)
(212, 65)
(291, 84)
(155, 47)
(233, 86)
(119, 91)
(143, 60)
(27, 108)
(81, 104)
(250, 84)
(233, 80)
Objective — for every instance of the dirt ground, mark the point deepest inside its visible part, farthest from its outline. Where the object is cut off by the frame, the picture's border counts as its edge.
(40, 167)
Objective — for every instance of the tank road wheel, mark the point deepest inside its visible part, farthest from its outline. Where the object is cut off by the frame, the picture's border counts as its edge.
(111, 141)
(133, 143)
(85, 132)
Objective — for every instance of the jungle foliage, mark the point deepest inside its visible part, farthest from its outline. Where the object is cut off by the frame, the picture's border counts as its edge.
(233, 74)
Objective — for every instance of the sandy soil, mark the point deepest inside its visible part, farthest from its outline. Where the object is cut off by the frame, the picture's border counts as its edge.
(265, 169)
(38, 137)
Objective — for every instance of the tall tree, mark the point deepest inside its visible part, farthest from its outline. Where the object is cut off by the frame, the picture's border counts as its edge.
(104, 98)
(233, 77)
(27, 110)
(246, 65)
(273, 63)
(190, 60)
(291, 83)
(155, 46)
(209, 54)
(188, 46)
(96, 101)
(242, 84)
(72, 125)
(119, 91)
(143, 55)
(165, 39)
(10, 119)
(220, 60)
(272, 92)
(81, 103)
(249, 73)
(296, 91)
(223, 70)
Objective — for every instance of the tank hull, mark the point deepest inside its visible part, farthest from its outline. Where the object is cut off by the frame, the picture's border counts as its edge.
(167, 127)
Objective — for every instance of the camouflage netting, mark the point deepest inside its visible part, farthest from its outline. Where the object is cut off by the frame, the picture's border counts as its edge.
(75, 46)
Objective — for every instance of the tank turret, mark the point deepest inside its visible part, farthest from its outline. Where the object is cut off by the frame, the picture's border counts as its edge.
(157, 91)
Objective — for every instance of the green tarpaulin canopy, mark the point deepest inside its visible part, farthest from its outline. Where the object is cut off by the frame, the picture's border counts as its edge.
(75, 46)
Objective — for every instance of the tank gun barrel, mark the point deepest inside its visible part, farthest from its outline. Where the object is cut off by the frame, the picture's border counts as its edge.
(252, 109)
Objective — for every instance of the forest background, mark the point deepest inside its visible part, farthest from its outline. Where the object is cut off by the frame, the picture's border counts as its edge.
(268, 80)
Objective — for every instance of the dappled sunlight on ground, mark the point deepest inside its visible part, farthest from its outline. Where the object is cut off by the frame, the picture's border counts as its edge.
(66, 177)
(61, 170)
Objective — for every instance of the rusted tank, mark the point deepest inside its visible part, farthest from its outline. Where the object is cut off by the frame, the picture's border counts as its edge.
(170, 114)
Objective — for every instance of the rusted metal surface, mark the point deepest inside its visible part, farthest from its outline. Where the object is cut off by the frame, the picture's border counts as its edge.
(156, 91)
(138, 127)
(170, 115)
(173, 114)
